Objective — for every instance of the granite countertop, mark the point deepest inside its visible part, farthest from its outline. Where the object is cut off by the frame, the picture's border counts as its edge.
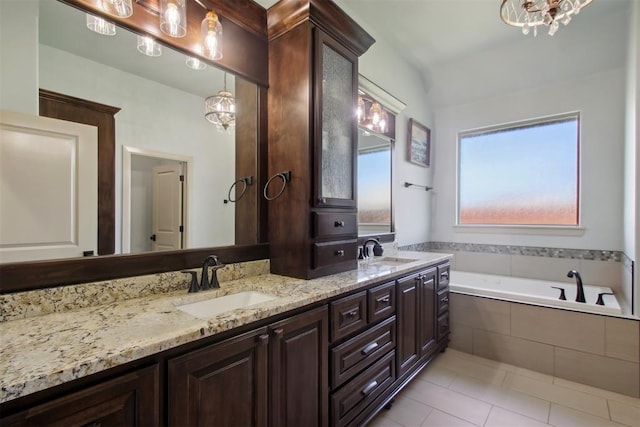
(44, 351)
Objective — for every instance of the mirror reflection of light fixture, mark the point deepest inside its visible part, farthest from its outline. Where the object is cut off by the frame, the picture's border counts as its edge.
(211, 36)
(374, 118)
(173, 17)
(194, 63)
(220, 109)
(100, 26)
(119, 8)
(529, 14)
(148, 46)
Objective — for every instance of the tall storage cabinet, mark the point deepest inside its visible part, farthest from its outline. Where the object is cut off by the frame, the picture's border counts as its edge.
(313, 81)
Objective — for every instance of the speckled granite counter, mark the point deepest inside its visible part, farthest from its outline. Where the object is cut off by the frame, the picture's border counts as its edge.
(43, 351)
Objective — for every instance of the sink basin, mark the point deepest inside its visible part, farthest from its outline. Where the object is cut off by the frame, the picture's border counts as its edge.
(389, 260)
(212, 307)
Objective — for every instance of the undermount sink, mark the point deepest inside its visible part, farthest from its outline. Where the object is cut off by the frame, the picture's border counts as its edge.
(389, 260)
(212, 307)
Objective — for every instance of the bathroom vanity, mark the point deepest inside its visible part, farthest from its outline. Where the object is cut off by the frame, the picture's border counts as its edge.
(329, 351)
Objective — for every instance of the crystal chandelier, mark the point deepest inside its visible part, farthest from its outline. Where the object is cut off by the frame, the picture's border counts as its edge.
(220, 109)
(529, 14)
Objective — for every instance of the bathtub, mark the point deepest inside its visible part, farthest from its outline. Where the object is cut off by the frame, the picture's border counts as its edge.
(539, 292)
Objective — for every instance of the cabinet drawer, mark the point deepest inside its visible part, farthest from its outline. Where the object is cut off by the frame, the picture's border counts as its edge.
(351, 357)
(347, 402)
(325, 254)
(381, 301)
(443, 300)
(443, 275)
(348, 314)
(330, 224)
(442, 326)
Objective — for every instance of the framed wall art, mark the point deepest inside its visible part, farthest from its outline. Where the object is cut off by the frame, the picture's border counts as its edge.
(419, 144)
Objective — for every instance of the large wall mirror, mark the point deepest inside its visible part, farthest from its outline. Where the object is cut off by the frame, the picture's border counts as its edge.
(377, 110)
(160, 130)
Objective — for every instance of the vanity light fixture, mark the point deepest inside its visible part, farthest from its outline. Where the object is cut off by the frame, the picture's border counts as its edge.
(119, 8)
(148, 46)
(211, 36)
(220, 109)
(375, 118)
(529, 14)
(173, 17)
(100, 26)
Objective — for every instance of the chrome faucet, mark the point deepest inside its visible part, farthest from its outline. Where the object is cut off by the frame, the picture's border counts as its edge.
(377, 248)
(212, 262)
(580, 293)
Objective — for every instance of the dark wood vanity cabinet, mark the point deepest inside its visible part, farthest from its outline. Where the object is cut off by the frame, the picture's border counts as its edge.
(313, 72)
(128, 400)
(276, 375)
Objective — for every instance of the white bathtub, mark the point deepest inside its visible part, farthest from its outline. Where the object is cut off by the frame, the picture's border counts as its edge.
(532, 291)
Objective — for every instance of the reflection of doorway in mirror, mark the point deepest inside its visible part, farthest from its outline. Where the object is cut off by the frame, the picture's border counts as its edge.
(154, 208)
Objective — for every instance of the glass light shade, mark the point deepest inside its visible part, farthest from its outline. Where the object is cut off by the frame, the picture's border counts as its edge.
(173, 17)
(221, 110)
(119, 8)
(211, 35)
(360, 109)
(148, 46)
(100, 26)
(195, 63)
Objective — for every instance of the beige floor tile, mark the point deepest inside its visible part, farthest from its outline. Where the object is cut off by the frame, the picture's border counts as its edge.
(438, 374)
(472, 366)
(383, 420)
(408, 412)
(441, 419)
(609, 395)
(451, 402)
(564, 396)
(502, 418)
(502, 366)
(561, 416)
(624, 414)
(529, 406)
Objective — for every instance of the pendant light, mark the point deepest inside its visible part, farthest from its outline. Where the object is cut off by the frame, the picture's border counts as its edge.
(173, 17)
(220, 109)
(211, 36)
(119, 8)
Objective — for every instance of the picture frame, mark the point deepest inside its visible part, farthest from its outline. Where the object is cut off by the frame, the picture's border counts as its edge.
(419, 144)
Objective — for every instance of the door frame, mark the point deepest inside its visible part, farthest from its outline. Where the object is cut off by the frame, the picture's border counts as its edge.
(127, 152)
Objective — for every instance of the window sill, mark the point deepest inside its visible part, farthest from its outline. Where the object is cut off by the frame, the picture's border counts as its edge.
(540, 230)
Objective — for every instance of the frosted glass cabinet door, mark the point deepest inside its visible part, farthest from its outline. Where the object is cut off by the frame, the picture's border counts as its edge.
(336, 144)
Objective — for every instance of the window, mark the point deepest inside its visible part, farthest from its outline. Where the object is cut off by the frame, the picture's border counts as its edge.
(521, 174)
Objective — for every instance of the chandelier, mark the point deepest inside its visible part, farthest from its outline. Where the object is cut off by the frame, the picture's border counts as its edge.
(220, 109)
(529, 14)
(371, 115)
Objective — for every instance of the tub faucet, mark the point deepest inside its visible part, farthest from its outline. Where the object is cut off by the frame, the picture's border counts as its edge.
(580, 293)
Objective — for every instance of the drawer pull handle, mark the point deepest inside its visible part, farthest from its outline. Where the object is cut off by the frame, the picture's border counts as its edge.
(385, 300)
(369, 388)
(352, 313)
(369, 348)
(339, 224)
(445, 299)
(444, 275)
(340, 252)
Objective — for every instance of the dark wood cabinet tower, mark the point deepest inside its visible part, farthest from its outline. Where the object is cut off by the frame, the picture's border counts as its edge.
(313, 82)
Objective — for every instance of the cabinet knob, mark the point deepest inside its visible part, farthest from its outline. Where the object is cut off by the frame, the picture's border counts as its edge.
(445, 299)
(352, 313)
(339, 224)
(340, 252)
(385, 300)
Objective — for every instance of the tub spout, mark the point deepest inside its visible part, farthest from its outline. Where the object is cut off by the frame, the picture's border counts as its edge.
(580, 293)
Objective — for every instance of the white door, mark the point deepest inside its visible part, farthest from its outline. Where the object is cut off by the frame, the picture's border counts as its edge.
(167, 207)
(48, 188)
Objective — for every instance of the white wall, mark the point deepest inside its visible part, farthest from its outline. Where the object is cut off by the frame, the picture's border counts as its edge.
(160, 118)
(382, 65)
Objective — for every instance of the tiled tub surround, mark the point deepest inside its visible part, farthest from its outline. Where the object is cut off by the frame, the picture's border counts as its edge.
(591, 349)
(43, 351)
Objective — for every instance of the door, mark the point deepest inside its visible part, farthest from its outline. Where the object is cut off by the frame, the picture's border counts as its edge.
(408, 318)
(427, 290)
(167, 207)
(49, 186)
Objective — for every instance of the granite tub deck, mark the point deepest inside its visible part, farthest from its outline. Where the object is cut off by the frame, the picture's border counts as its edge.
(44, 351)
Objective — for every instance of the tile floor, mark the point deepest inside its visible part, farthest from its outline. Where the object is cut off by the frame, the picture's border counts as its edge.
(459, 389)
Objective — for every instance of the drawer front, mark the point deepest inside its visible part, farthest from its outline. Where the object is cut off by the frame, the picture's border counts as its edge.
(353, 356)
(330, 224)
(443, 300)
(351, 399)
(325, 254)
(381, 301)
(348, 315)
(443, 326)
(443, 275)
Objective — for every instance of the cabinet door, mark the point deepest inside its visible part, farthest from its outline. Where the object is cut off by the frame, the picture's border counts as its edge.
(299, 370)
(336, 84)
(224, 384)
(129, 400)
(408, 349)
(427, 287)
